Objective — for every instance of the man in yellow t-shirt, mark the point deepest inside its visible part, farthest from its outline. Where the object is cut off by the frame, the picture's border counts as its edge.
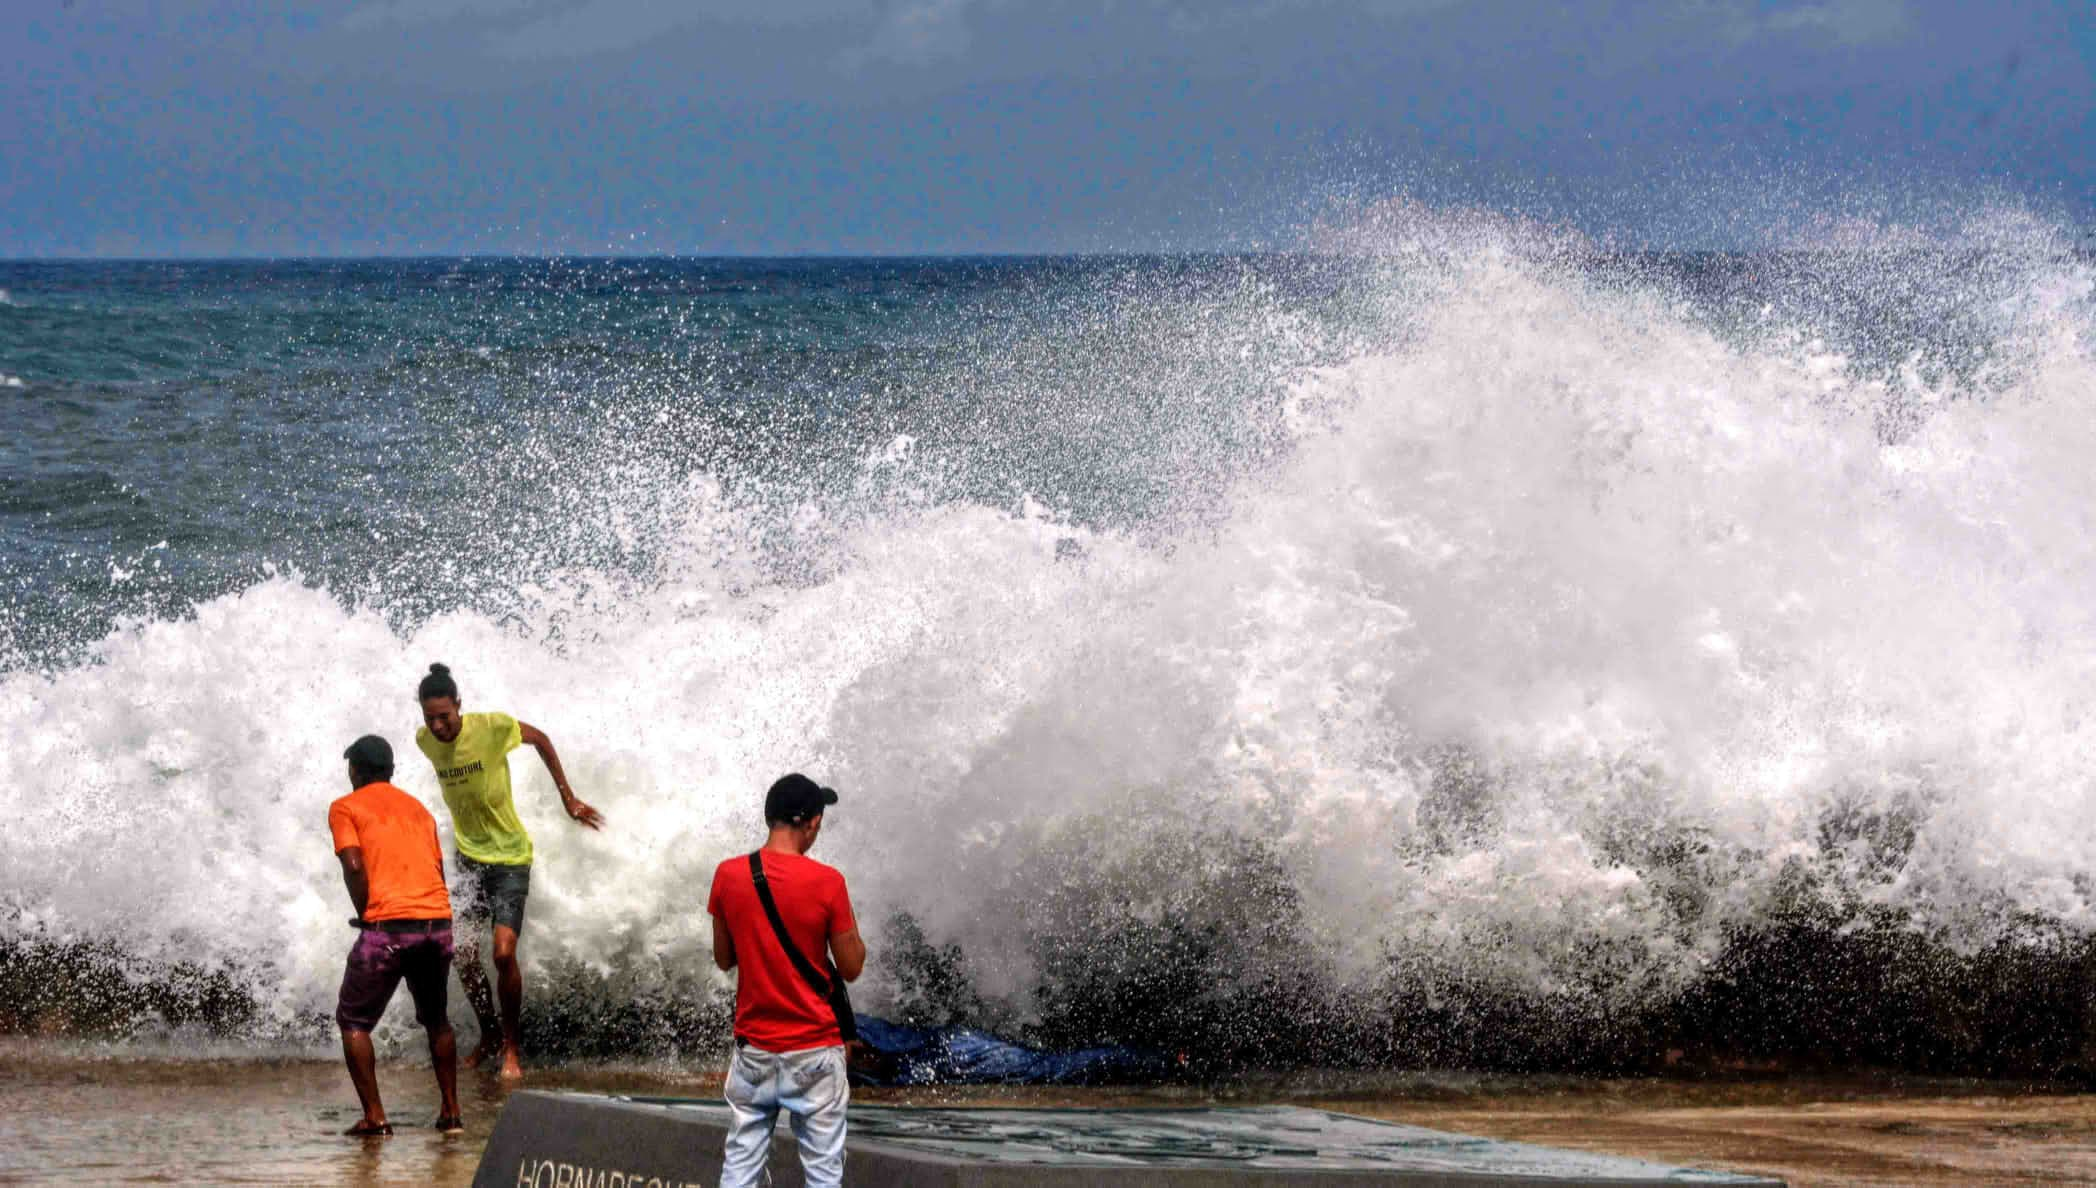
(470, 753)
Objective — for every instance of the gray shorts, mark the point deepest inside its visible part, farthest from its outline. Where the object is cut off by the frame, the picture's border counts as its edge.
(482, 892)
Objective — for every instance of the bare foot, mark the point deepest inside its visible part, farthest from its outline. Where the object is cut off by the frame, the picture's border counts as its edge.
(512, 1069)
(483, 1053)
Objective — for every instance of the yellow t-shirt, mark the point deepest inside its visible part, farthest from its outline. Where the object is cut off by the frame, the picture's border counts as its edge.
(473, 770)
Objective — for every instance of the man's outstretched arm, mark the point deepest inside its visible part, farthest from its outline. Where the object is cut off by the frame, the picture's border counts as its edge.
(354, 878)
(582, 813)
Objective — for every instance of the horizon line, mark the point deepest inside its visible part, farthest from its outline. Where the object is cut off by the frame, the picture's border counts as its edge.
(2086, 245)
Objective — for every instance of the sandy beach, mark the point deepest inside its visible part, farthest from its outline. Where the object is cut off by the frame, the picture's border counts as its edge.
(79, 1113)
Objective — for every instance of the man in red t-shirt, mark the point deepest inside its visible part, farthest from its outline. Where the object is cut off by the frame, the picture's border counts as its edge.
(789, 1052)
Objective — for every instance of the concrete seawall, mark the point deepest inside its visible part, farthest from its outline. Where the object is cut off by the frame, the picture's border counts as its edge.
(570, 1140)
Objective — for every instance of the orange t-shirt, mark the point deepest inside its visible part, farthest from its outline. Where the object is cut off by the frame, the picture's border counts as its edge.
(403, 866)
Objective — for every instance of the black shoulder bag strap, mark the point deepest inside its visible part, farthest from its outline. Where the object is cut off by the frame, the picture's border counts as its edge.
(829, 985)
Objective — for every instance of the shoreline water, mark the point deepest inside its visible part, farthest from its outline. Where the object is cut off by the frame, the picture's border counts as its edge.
(70, 1110)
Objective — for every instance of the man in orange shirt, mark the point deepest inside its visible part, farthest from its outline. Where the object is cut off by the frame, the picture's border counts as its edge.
(387, 843)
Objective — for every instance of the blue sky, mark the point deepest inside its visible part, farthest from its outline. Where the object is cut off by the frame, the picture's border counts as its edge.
(854, 126)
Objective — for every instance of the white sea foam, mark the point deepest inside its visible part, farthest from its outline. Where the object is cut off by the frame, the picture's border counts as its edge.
(1647, 588)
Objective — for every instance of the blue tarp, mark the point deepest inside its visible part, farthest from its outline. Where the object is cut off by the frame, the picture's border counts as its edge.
(964, 1056)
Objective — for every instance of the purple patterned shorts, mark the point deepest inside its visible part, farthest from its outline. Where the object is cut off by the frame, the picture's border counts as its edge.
(378, 962)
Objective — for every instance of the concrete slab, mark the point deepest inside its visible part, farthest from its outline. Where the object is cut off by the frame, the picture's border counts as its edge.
(573, 1140)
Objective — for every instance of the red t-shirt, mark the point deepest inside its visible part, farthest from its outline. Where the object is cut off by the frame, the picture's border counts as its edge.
(775, 1008)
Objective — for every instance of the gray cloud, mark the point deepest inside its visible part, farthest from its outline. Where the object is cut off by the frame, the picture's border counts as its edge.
(1847, 22)
(976, 125)
(402, 14)
(917, 33)
(601, 26)
(553, 29)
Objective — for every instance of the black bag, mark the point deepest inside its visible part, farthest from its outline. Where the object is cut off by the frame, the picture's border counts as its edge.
(825, 980)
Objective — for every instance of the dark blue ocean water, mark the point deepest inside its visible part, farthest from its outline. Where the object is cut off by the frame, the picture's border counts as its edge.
(168, 431)
(171, 431)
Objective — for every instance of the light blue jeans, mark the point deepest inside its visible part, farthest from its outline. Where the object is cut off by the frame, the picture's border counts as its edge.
(811, 1087)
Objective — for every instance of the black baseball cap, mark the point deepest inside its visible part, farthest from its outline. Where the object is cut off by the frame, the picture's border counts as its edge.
(795, 798)
(370, 753)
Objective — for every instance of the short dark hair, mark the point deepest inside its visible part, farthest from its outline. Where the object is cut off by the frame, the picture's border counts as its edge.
(370, 775)
(437, 684)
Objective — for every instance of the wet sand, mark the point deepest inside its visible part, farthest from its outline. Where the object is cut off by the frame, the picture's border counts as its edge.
(1805, 1132)
(78, 1113)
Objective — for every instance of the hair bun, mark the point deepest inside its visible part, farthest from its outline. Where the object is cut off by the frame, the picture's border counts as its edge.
(437, 683)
